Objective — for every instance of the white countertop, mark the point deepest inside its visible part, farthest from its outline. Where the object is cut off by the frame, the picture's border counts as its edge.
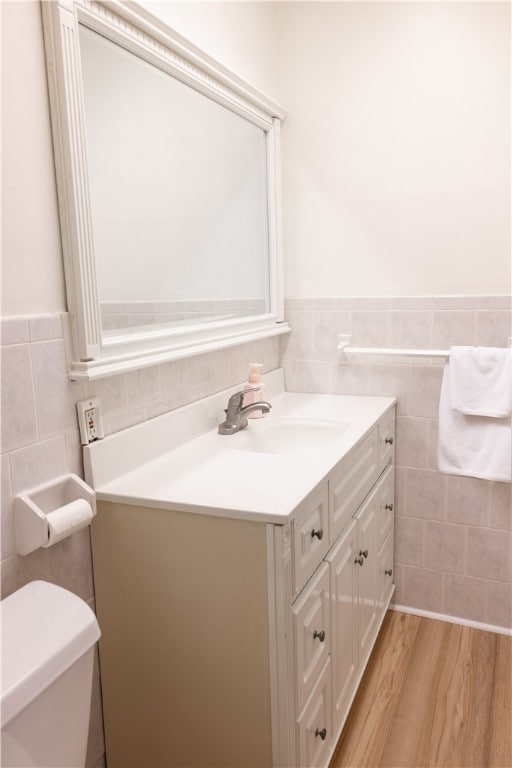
(179, 461)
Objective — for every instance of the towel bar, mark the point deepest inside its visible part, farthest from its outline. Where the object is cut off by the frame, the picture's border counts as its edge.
(346, 351)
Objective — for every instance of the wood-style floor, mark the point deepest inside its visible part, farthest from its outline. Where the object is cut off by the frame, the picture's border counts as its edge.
(433, 695)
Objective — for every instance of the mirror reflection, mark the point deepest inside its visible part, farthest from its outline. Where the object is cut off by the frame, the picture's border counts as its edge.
(178, 191)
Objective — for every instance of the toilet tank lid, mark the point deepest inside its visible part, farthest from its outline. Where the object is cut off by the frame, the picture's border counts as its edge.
(44, 630)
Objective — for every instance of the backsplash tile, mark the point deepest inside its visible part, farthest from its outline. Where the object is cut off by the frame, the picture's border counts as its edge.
(70, 564)
(18, 570)
(501, 506)
(392, 381)
(17, 398)
(432, 444)
(453, 328)
(465, 596)
(38, 463)
(370, 328)
(349, 379)
(445, 546)
(312, 377)
(409, 540)
(493, 328)
(453, 533)
(44, 327)
(410, 329)
(467, 500)
(326, 327)
(499, 604)
(298, 345)
(412, 441)
(13, 330)
(55, 396)
(8, 538)
(422, 588)
(424, 390)
(488, 554)
(424, 493)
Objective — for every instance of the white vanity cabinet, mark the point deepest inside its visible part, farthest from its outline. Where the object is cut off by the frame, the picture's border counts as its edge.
(361, 492)
(234, 641)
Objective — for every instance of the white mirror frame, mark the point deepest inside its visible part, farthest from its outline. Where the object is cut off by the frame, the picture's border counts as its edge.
(139, 32)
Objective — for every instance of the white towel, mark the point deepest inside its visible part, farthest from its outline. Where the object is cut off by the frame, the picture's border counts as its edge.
(475, 446)
(481, 381)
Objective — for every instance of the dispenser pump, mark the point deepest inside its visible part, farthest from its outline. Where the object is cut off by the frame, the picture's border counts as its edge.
(254, 373)
(254, 395)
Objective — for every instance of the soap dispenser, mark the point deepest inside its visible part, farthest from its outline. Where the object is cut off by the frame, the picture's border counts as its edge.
(254, 395)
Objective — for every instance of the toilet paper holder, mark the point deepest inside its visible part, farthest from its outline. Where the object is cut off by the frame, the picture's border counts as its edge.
(52, 511)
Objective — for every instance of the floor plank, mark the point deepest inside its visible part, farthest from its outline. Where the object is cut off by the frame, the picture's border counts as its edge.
(434, 695)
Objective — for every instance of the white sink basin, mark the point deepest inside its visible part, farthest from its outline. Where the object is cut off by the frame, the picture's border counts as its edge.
(290, 436)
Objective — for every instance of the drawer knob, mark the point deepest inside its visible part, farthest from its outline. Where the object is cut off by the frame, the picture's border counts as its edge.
(389, 440)
(388, 506)
(363, 552)
(322, 733)
(319, 635)
(388, 571)
(359, 560)
(319, 534)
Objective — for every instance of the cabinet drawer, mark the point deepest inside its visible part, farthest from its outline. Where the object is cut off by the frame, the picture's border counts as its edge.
(385, 506)
(351, 480)
(310, 534)
(314, 725)
(385, 572)
(312, 632)
(387, 440)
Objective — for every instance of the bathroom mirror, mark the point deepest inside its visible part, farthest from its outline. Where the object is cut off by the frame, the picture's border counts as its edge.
(168, 180)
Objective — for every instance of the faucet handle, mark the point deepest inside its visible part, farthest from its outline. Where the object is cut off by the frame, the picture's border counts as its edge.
(237, 398)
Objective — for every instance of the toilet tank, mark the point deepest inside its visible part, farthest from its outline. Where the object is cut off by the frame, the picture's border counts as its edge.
(47, 655)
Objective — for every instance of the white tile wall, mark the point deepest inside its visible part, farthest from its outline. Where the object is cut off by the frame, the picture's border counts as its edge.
(40, 439)
(453, 541)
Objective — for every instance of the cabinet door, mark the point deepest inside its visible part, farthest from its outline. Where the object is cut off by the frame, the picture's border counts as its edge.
(385, 573)
(344, 644)
(312, 632)
(366, 560)
(314, 725)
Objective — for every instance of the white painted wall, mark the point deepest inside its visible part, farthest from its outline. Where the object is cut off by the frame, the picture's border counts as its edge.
(32, 273)
(396, 148)
(240, 35)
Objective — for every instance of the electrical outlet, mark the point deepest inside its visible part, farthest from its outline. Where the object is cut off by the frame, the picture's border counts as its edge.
(90, 424)
(89, 420)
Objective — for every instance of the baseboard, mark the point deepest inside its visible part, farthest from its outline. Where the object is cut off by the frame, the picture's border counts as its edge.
(451, 619)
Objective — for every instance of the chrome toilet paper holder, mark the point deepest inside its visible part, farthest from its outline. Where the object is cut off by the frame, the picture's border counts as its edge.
(52, 511)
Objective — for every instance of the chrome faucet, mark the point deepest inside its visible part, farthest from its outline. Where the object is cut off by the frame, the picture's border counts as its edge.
(236, 413)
